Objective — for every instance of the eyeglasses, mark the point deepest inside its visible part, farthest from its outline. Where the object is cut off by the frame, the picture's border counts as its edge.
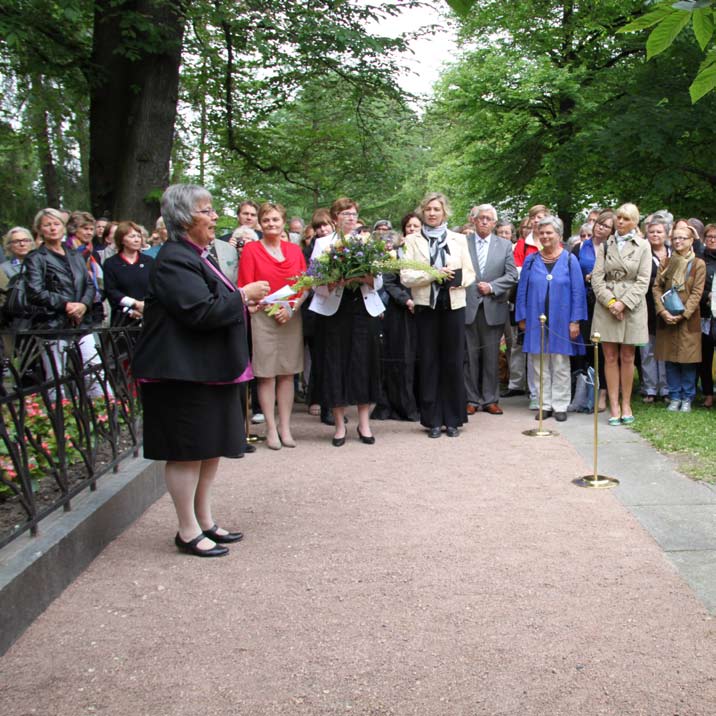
(206, 212)
(681, 238)
(349, 214)
(710, 237)
(20, 241)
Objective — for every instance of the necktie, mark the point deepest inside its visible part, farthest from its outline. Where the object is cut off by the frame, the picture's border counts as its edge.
(481, 254)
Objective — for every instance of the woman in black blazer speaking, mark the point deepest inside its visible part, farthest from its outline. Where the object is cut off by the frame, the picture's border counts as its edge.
(188, 360)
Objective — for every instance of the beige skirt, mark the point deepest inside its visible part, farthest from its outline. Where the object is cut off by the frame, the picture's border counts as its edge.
(278, 349)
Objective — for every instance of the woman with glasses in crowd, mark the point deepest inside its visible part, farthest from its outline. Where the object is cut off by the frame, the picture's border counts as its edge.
(189, 360)
(678, 335)
(348, 333)
(17, 244)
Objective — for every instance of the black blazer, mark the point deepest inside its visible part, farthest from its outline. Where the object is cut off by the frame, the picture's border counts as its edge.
(194, 328)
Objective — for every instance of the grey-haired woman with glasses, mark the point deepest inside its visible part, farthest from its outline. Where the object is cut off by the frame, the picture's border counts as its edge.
(189, 360)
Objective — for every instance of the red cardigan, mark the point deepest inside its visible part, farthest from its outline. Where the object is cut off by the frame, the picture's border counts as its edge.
(257, 264)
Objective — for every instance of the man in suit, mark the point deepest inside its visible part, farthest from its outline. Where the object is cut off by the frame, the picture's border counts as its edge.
(227, 257)
(487, 310)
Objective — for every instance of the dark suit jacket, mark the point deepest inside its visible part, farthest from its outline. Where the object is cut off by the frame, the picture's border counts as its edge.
(500, 273)
(194, 327)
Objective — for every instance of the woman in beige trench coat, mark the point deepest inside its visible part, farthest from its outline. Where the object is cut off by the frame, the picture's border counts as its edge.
(678, 338)
(620, 280)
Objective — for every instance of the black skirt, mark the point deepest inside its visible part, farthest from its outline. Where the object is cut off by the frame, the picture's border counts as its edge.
(398, 401)
(350, 361)
(192, 421)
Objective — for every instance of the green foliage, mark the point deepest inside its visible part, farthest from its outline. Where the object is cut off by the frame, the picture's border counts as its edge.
(568, 115)
(243, 65)
(665, 32)
(17, 172)
(461, 7)
(512, 113)
(668, 19)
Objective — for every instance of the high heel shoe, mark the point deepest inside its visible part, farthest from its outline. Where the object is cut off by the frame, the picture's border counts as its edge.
(191, 547)
(338, 442)
(365, 439)
(287, 442)
(274, 444)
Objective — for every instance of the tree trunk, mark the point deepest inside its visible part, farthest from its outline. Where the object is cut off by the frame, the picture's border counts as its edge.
(41, 130)
(133, 109)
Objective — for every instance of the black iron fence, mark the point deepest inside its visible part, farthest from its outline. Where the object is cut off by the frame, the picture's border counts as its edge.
(69, 413)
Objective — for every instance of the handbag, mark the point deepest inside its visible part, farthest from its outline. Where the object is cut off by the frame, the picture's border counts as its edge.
(671, 300)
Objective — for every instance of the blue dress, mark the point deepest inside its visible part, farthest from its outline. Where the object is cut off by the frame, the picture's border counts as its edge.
(567, 303)
(587, 257)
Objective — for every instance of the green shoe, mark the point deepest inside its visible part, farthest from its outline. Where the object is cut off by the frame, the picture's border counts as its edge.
(614, 421)
(628, 420)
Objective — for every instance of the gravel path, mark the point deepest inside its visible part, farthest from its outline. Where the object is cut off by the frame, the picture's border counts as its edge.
(415, 576)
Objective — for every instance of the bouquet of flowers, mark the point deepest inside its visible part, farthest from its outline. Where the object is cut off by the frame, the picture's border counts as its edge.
(351, 257)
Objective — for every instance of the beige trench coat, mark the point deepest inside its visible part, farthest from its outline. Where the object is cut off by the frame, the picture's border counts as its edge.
(681, 343)
(625, 276)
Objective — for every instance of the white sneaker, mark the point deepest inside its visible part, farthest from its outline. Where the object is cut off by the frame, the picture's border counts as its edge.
(685, 406)
(673, 406)
(258, 418)
(534, 404)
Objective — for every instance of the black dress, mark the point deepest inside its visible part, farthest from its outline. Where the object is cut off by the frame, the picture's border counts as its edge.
(398, 399)
(350, 360)
(121, 279)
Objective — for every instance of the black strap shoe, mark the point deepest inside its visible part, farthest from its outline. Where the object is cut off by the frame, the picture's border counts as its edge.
(212, 534)
(191, 547)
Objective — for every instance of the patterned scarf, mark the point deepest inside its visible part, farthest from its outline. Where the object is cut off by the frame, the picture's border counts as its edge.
(437, 238)
(674, 274)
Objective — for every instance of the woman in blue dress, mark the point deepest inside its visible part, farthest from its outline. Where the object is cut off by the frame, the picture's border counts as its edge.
(551, 283)
(586, 253)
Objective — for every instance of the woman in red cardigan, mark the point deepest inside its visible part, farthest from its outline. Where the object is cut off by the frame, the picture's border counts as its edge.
(277, 340)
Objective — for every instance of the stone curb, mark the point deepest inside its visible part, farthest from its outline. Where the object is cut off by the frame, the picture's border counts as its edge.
(35, 570)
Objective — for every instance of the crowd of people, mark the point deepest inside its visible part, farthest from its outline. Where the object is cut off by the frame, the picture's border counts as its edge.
(500, 312)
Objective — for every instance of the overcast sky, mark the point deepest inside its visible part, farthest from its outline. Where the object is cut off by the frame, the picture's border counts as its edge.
(430, 52)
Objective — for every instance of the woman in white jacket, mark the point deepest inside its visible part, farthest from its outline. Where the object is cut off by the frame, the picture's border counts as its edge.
(347, 334)
(439, 316)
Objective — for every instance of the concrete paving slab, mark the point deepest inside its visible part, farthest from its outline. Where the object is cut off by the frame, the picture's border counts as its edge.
(678, 512)
(699, 569)
(646, 476)
(679, 527)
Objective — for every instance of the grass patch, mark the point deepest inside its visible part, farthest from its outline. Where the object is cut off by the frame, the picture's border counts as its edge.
(686, 437)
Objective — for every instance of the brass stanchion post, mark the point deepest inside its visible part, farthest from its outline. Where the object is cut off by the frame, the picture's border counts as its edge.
(539, 432)
(596, 480)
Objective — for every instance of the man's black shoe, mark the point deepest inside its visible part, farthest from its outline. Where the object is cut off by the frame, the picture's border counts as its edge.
(511, 393)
